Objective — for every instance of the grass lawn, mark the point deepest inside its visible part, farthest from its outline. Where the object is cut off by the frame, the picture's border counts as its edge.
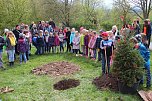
(29, 87)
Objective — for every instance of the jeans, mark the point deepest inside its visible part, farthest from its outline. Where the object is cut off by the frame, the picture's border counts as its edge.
(99, 55)
(40, 50)
(23, 56)
(94, 53)
(105, 69)
(61, 47)
(148, 74)
(11, 54)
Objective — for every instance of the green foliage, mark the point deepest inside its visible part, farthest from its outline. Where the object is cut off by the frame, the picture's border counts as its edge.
(128, 63)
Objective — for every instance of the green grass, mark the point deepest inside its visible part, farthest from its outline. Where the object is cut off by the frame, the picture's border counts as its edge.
(29, 87)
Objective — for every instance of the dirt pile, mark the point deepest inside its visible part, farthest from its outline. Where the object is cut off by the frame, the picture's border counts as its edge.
(56, 69)
(106, 82)
(66, 84)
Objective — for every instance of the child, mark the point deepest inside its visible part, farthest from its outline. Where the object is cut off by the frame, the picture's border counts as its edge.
(51, 42)
(34, 41)
(91, 45)
(46, 37)
(72, 36)
(145, 53)
(86, 42)
(56, 42)
(82, 41)
(61, 39)
(111, 36)
(76, 43)
(106, 50)
(21, 47)
(27, 39)
(2, 43)
(98, 40)
(10, 47)
(40, 43)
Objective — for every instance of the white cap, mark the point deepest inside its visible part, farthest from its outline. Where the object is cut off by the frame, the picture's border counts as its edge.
(6, 30)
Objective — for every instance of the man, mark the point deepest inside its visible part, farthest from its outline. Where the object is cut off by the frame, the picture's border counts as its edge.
(52, 24)
(16, 32)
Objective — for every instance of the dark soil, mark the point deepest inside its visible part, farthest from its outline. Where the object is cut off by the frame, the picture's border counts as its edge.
(56, 69)
(66, 84)
(106, 82)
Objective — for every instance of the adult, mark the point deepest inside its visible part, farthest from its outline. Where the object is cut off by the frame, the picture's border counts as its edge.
(136, 27)
(51, 22)
(16, 32)
(147, 30)
(115, 30)
(68, 34)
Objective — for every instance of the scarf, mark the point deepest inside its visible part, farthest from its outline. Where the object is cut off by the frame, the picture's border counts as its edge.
(12, 41)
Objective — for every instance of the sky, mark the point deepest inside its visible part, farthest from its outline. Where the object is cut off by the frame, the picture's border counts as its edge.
(108, 3)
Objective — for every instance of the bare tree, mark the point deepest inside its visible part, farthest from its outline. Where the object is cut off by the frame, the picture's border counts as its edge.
(144, 5)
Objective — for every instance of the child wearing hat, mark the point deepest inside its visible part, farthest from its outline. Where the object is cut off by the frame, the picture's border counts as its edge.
(21, 47)
(145, 53)
(76, 43)
(106, 46)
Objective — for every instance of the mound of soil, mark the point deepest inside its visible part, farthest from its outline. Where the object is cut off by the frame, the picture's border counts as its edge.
(106, 82)
(66, 84)
(56, 69)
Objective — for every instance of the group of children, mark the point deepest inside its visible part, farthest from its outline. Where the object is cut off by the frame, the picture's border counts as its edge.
(47, 39)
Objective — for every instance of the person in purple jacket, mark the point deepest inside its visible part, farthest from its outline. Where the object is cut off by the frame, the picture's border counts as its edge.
(21, 47)
(56, 42)
(86, 42)
(51, 42)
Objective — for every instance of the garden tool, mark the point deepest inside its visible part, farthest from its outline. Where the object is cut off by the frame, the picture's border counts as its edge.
(106, 66)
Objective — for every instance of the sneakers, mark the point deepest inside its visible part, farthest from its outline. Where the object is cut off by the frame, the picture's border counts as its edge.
(77, 55)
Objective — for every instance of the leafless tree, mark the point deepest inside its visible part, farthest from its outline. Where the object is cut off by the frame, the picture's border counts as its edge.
(144, 5)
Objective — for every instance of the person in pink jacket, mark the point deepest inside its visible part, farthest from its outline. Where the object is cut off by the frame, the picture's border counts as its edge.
(91, 45)
(56, 42)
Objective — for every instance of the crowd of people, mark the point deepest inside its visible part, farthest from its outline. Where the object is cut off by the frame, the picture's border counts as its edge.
(46, 38)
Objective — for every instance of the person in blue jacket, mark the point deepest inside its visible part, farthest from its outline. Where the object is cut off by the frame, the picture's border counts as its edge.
(145, 53)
